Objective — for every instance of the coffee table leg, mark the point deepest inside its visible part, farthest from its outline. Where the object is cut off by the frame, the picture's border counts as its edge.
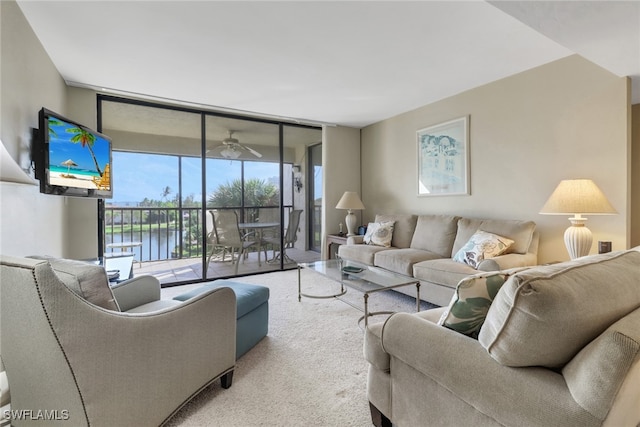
(417, 296)
(366, 310)
(299, 290)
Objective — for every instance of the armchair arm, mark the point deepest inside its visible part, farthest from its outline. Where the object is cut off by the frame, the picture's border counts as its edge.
(136, 292)
(5, 397)
(460, 367)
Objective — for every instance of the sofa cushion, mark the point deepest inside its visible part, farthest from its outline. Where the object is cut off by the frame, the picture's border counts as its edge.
(379, 233)
(470, 303)
(402, 260)
(435, 233)
(403, 228)
(482, 245)
(521, 232)
(543, 316)
(360, 253)
(445, 272)
(87, 280)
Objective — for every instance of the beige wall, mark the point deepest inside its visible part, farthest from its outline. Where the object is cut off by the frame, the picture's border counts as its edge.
(567, 119)
(635, 177)
(341, 168)
(30, 222)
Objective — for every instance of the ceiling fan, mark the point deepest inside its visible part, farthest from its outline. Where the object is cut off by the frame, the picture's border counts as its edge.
(232, 149)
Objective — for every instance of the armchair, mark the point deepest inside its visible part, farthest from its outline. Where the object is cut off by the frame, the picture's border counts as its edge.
(67, 347)
(560, 345)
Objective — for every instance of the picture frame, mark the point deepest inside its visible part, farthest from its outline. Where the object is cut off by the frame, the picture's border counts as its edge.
(443, 158)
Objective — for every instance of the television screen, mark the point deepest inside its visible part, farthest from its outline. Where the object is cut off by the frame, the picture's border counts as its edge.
(73, 160)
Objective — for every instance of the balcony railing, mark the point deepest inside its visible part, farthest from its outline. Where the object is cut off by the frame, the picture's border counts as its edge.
(171, 233)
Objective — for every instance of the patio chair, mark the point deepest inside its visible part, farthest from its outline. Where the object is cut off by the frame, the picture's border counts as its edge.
(290, 237)
(212, 240)
(227, 235)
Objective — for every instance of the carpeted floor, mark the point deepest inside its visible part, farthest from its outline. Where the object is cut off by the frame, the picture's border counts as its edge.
(308, 371)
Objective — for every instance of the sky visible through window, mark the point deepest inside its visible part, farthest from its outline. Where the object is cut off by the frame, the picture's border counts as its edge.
(137, 176)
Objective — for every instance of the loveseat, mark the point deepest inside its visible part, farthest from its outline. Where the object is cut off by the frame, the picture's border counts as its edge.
(560, 346)
(422, 246)
(78, 354)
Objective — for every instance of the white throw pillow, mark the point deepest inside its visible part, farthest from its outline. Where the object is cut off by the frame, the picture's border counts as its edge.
(379, 233)
(481, 246)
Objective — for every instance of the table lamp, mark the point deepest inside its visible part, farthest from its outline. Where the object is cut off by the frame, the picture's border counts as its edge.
(577, 197)
(350, 201)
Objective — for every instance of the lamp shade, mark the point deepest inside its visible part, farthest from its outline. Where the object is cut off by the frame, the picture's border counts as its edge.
(577, 196)
(350, 201)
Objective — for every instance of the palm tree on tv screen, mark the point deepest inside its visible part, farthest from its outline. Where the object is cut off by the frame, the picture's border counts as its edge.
(86, 139)
(53, 122)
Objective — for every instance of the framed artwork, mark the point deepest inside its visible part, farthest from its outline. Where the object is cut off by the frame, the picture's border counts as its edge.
(443, 159)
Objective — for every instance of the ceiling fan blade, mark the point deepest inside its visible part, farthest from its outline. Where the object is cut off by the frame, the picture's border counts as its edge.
(251, 150)
(217, 147)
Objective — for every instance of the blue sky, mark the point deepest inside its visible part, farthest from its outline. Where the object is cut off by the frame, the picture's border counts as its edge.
(136, 176)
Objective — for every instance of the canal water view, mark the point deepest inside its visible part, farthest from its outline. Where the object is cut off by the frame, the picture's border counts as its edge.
(156, 244)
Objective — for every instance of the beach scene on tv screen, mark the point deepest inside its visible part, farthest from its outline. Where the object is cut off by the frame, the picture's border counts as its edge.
(77, 158)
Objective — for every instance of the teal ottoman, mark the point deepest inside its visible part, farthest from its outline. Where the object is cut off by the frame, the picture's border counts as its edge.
(252, 311)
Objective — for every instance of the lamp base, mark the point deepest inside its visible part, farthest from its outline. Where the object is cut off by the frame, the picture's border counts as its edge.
(350, 221)
(578, 238)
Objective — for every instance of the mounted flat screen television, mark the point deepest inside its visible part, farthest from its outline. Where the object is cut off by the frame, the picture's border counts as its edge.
(71, 159)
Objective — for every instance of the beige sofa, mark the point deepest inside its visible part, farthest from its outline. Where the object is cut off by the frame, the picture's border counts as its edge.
(423, 246)
(560, 345)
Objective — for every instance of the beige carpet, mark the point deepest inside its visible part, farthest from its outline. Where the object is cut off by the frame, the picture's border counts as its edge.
(308, 371)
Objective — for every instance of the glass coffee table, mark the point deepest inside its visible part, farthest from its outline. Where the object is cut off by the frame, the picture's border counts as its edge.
(364, 278)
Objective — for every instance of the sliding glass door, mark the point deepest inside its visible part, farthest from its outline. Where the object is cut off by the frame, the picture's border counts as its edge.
(315, 177)
(243, 177)
(174, 169)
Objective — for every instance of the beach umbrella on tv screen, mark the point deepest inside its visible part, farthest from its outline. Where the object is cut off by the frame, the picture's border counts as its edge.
(68, 163)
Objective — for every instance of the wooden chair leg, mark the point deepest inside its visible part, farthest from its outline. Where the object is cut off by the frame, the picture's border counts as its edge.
(378, 418)
(226, 380)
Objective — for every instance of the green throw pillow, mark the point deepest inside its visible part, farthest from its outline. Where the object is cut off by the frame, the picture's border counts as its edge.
(471, 301)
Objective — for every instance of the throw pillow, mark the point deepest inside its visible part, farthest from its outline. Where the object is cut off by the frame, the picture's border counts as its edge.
(85, 279)
(481, 246)
(379, 233)
(545, 315)
(470, 303)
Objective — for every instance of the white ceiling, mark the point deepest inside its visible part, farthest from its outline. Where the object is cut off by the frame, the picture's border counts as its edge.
(350, 63)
